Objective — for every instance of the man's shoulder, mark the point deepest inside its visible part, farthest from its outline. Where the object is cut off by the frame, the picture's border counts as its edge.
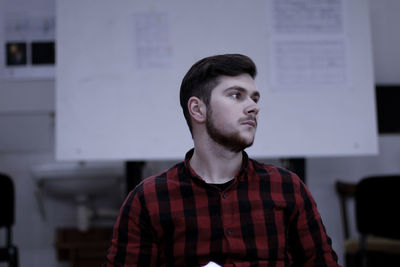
(283, 184)
(169, 175)
(274, 172)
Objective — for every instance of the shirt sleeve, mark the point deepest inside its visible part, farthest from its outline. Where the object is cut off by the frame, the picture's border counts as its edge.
(133, 242)
(312, 246)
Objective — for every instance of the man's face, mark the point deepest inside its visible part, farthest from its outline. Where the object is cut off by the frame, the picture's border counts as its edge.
(232, 112)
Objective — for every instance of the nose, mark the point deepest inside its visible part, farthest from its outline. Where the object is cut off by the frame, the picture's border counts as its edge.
(252, 107)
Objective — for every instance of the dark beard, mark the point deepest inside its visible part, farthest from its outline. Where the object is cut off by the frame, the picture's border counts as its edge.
(232, 141)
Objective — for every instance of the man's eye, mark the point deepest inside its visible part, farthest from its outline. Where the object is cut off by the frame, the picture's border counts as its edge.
(236, 95)
(255, 99)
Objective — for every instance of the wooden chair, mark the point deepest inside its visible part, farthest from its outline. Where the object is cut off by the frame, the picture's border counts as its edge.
(371, 248)
(9, 252)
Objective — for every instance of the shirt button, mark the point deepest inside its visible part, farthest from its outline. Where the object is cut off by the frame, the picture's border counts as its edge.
(228, 232)
(224, 195)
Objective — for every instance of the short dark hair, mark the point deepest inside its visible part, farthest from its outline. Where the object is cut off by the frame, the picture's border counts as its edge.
(202, 77)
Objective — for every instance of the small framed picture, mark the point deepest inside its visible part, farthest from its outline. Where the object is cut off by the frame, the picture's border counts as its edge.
(16, 54)
(43, 53)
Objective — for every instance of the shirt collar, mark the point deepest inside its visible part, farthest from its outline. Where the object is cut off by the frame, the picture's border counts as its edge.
(241, 175)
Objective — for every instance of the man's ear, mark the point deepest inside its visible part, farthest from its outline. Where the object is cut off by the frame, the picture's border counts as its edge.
(197, 109)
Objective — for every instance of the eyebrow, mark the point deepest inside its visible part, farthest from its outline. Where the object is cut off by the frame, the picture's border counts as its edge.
(242, 90)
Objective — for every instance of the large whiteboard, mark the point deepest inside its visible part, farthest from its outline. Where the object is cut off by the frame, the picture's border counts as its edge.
(120, 65)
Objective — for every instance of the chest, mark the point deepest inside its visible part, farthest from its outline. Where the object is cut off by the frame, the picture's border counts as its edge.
(240, 222)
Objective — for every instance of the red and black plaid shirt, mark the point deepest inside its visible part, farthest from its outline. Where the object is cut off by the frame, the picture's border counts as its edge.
(266, 217)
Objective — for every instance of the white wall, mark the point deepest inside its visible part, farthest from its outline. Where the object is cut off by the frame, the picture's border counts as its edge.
(27, 138)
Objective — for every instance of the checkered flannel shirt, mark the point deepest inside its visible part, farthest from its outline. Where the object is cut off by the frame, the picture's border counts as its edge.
(266, 217)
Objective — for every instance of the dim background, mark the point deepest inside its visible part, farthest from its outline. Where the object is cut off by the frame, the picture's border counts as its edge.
(27, 139)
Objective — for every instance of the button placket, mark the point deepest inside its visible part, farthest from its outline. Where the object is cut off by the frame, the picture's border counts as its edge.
(226, 219)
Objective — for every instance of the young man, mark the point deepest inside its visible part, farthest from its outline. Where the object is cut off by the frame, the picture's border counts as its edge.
(219, 205)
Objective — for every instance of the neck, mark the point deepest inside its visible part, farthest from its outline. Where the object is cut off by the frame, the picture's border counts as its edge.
(215, 164)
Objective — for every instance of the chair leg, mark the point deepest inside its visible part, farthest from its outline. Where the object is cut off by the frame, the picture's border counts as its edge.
(13, 252)
(363, 250)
